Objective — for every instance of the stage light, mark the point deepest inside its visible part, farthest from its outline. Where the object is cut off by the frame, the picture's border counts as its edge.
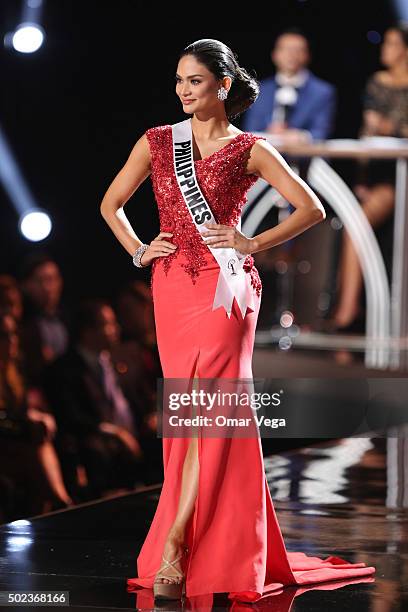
(286, 318)
(28, 38)
(323, 301)
(281, 266)
(304, 266)
(336, 223)
(19, 524)
(35, 225)
(285, 343)
(17, 544)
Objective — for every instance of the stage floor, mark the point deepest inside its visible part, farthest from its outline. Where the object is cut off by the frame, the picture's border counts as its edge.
(343, 497)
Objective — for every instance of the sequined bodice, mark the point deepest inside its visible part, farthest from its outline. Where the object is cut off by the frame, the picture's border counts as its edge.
(224, 183)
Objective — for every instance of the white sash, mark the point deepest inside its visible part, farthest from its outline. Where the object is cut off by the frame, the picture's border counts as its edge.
(232, 279)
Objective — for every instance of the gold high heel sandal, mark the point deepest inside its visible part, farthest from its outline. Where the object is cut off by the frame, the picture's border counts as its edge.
(172, 590)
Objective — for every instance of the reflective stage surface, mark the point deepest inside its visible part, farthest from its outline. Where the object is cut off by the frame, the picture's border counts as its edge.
(346, 497)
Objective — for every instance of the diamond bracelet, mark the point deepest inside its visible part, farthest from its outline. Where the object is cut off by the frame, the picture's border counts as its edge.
(138, 255)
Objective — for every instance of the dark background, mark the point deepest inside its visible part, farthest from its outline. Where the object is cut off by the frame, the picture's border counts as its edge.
(72, 111)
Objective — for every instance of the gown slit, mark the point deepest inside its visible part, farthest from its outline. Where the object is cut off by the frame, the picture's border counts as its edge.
(191, 534)
(195, 365)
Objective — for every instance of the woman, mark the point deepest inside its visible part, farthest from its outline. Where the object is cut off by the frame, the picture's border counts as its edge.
(385, 114)
(215, 513)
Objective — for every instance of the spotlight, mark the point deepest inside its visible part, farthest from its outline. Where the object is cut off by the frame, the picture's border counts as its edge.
(35, 225)
(286, 318)
(285, 343)
(28, 37)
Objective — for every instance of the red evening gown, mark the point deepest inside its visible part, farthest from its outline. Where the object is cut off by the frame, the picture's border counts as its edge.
(234, 539)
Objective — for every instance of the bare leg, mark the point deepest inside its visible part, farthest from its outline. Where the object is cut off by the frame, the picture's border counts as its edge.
(189, 486)
(51, 468)
(377, 207)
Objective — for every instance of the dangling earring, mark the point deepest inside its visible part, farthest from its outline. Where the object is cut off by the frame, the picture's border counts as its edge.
(222, 93)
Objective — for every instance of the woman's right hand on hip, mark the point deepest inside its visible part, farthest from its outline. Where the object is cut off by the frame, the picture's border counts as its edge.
(158, 247)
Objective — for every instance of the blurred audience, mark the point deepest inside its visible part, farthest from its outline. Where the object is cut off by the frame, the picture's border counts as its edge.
(79, 406)
(30, 471)
(11, 301)
(135, 311)
(134, 308)
(138, 364)
(44, 328)
(385, 114)
(97, 423)
(293, 104)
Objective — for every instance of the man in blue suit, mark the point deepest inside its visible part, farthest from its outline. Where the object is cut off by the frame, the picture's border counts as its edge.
(293, 104)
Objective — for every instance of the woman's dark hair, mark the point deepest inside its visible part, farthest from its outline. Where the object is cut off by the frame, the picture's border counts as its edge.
(222, 61)
(402, 28)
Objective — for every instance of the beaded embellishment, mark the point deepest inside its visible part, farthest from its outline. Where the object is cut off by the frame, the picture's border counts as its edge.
(224, 183)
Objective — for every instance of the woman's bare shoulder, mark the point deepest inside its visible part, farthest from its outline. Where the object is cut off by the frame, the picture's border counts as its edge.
(261, 152)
